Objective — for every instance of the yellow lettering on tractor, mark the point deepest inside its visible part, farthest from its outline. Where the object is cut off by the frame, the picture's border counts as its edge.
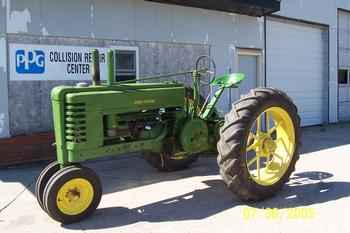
(141, 102)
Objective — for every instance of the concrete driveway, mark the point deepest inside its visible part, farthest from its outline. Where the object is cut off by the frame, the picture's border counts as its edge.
(138, 199)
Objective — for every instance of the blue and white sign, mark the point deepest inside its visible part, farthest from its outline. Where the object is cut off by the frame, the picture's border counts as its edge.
(30, 61)
(46, 62)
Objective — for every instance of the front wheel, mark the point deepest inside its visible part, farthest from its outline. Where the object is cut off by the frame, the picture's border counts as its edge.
(42, 180)
(72, 194)
(259, 143)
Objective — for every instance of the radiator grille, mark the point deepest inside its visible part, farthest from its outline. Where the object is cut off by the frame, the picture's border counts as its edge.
(75, 123)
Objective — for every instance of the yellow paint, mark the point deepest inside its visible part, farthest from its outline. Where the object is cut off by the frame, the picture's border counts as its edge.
(75, 196)
(272, 156)
(141, 102)
(277, 214)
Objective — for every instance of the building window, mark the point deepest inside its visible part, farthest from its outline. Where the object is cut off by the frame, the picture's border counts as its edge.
(343, 76)
(126, 64)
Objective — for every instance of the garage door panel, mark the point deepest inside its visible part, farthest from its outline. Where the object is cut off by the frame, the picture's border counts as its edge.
(299, 72)
(298, 66)
(305, 38)
(297, 61)
(309, 91)
(308, 105)
(312, 57)
(309, 121)
(312, 53)
(309, 96)
(301, 35)
(307, 84)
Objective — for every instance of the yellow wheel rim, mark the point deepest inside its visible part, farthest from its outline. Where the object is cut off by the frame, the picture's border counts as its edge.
(75, 196)
(270, 146)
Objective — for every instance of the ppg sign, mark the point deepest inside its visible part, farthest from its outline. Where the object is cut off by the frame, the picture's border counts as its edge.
(30, 62)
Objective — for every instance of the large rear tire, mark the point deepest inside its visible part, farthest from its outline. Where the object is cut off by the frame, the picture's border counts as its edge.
(259, 144)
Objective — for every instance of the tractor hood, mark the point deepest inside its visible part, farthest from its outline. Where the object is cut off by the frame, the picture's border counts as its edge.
(246, 7)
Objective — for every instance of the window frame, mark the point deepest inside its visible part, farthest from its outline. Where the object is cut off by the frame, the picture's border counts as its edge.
(129, 48)
(348, 77)
(258, 53)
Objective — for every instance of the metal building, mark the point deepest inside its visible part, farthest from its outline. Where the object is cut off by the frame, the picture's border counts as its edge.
(303, 49)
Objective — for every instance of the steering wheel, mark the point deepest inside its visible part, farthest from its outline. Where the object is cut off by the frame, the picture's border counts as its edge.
(205, 65)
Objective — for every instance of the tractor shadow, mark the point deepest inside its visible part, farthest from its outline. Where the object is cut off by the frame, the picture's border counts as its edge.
(304, 189)
(116, 173)
(133, 171)
(129, 171)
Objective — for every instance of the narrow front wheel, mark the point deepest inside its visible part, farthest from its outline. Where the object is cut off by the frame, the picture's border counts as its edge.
(42, 180)
(72, 194)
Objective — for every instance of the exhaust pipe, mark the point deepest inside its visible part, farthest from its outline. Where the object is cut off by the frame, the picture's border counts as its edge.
(96, 76)
(110, 67)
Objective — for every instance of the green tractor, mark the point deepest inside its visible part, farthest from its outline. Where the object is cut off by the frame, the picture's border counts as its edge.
(257, 141)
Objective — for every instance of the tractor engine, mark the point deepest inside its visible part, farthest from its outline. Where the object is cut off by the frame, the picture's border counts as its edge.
(105, 120)
(142, 125)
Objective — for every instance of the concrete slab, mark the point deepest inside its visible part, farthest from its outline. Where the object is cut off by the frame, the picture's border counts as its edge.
(139, 199)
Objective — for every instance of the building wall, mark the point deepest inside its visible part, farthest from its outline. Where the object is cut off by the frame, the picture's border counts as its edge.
(2, 17)
(344, 63)
(4, 118)
(141, 21)
(153, 28)
(344, 39)
(29, 101)
(132, 20)
(326, 13)
(169, 38)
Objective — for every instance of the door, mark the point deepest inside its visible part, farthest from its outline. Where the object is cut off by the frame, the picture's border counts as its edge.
(297, 63)
(248, 61)
(248, 64)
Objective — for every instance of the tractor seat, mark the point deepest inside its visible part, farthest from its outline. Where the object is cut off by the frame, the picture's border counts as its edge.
(229, 80)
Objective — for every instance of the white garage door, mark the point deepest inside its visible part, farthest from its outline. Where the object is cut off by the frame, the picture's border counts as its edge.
(297, 62)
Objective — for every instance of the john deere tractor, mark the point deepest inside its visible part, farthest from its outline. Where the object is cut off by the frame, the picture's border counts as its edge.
(171, 124)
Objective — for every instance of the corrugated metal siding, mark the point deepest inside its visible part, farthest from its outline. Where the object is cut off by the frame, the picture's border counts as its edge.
(297, 62)
(344, 39)
(344, 63)
(4, 111)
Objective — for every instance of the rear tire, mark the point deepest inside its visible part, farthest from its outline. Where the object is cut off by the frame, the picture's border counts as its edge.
(236, 140)
(166, 161)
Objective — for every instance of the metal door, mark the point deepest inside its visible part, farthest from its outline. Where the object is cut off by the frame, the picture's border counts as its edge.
(248, 64)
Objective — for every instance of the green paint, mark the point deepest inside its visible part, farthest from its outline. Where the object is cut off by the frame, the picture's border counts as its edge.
(110, 67)
(229, 80)
(117, 118)
(210, 107)
(194, 136)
